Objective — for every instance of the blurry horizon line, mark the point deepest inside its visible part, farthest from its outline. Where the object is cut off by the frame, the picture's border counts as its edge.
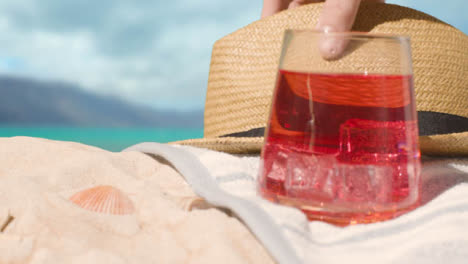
(76, 86)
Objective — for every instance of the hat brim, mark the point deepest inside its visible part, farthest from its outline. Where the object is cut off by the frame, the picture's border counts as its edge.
(455, 144)
(233, 145)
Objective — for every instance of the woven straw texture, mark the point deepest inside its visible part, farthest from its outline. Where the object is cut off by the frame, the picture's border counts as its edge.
(374, 56)
(445, 145)
(236, 145)
(244, 65)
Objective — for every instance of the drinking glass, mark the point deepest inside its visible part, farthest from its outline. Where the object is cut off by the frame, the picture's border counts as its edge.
(342, 137)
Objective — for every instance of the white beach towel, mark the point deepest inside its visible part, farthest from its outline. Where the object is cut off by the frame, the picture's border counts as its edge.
(436, 232)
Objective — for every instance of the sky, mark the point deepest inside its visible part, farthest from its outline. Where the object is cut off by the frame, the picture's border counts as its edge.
(150, 52)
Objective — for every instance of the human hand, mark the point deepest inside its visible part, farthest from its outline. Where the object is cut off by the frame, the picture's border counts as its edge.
(336, 16)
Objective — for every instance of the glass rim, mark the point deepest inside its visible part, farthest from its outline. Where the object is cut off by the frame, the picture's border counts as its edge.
(351, 34)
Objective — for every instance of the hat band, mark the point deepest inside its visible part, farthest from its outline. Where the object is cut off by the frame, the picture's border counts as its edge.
(429, 123)
(435, 123)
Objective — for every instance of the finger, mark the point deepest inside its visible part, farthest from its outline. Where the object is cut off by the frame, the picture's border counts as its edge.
(339, 15)
(271, 7)
(336, 16)
(297, 3)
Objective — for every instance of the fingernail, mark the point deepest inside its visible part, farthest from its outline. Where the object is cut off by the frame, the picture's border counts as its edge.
(331, 46)
(328, 47)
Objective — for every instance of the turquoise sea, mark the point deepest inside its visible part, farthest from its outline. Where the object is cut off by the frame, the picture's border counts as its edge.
(112, 139)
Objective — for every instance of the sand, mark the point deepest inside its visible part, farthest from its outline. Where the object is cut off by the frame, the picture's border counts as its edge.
(152, 216)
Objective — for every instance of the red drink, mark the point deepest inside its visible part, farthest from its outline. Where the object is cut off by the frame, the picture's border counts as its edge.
(342, 147)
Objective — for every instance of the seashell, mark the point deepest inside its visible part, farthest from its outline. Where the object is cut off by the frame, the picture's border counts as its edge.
(103, 199)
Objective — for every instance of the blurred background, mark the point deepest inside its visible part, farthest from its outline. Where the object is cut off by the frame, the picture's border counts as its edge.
(113, 73)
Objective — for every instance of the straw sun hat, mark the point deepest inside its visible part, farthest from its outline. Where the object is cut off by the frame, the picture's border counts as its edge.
(244, 65)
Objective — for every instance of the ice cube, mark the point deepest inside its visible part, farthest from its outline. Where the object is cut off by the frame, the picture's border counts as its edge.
(365, 184)
(277, 165)
(370, 141)
(381, 181)
(302, 171)
(273, 168)
(310, 176)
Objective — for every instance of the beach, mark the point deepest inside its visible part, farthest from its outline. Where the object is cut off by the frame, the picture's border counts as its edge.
(109, 138)
(147, 212)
